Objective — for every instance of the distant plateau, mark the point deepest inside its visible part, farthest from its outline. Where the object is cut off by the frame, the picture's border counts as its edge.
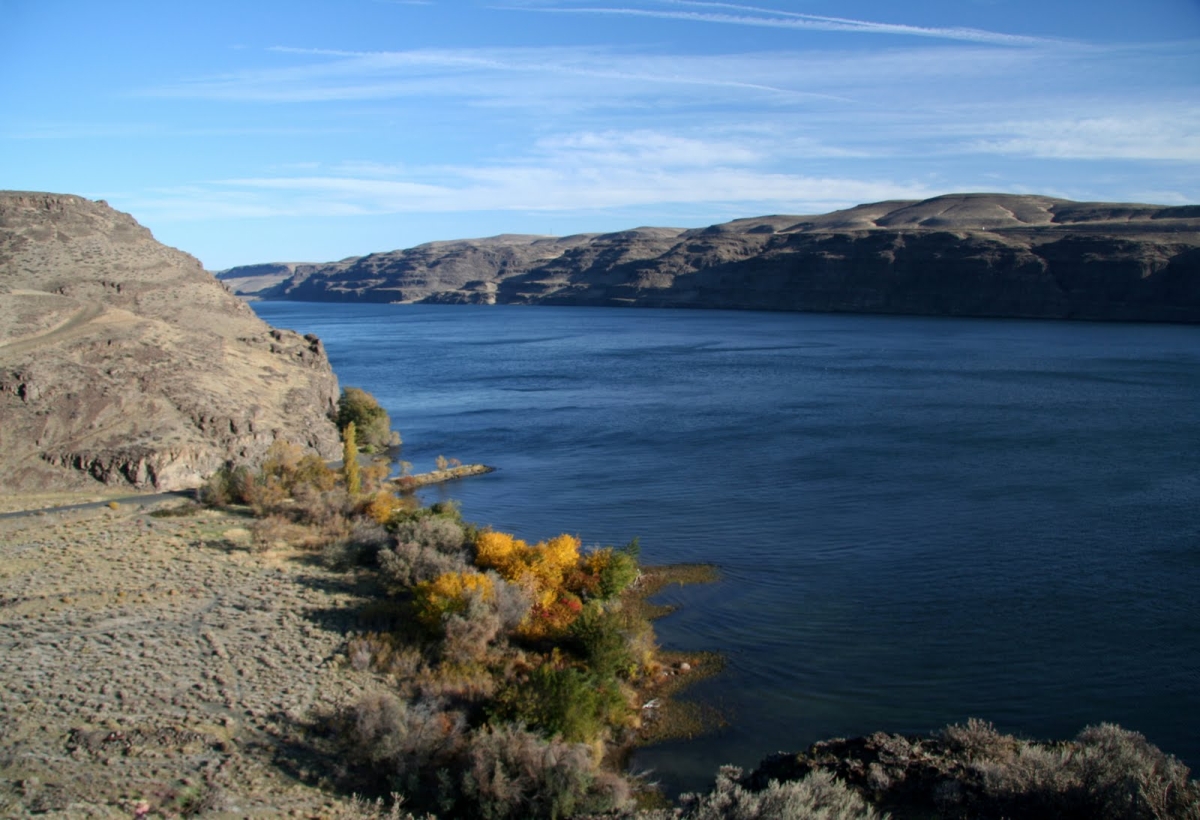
(994, 255)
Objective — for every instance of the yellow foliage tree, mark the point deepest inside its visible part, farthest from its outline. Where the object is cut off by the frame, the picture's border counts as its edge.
(544, 564)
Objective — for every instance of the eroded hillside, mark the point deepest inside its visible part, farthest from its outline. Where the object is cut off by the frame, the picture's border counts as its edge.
(123, 361)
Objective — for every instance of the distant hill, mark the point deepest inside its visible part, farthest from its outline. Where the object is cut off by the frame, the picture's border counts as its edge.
(123, 361)
(955, 255)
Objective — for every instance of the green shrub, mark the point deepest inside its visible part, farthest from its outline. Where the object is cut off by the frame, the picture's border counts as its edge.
(357, 548)
(1121, 774)
(447, 509)
(187, 508)
(566, 703)
(469, 632)
(616, 576)
(599, 638)
(405, 744)
(358, 407)
(285, 471)
(228, 485)
(291, 467)
(406, 564)
(425, 547)
(423, 755)
(435, 532)
(323, 508)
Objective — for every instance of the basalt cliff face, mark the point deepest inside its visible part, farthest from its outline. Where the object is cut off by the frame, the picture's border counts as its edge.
(956, 255)
(123, 361)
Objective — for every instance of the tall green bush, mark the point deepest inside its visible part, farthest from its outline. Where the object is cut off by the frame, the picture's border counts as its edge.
(601, 642)
(360, 408)
(567, 703)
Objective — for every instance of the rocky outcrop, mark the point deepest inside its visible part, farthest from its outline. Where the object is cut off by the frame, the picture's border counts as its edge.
(974, 771)
(955, 255)
(123, 361)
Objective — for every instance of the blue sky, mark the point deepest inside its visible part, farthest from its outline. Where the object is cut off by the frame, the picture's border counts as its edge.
(309, 131)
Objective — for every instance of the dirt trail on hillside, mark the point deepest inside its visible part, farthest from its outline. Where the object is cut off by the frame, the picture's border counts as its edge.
(159, 660)
(72, 327)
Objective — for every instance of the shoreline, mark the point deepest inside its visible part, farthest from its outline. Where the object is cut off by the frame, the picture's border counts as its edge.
(153, 654)
(666, 716)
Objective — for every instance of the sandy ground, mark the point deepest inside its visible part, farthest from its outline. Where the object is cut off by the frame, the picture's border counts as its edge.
(159, 660)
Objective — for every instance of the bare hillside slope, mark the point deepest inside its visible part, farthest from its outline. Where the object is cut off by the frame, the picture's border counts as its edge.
(123, 361)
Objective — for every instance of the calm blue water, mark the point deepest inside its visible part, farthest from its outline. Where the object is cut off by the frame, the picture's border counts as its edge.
(917, 520)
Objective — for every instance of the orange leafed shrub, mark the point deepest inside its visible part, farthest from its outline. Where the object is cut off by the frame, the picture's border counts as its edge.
(545, 565)
(447, 594)
(553, 569)
(554, 558)
(552, 618)
(383, 505)
(501, 552)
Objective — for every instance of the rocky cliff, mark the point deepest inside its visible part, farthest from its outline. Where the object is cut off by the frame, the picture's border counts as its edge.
(957, 255)
(123, 361)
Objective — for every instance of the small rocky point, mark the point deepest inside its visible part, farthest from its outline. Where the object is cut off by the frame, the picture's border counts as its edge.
(122, 361)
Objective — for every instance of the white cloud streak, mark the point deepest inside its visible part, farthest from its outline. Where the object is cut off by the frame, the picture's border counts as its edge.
(772, 18)
(481, 74)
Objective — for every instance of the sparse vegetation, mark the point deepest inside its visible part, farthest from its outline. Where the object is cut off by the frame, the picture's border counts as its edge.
(974, 771)
(513, 665)
(509, 672)
(817, 796)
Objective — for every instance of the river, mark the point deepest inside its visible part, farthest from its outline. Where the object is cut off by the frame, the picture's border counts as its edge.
(916, 520)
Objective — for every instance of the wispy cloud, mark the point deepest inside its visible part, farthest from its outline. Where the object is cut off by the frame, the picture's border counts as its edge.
(134, 130)
(592, 76)
(575, 173)
(743, 15)
(1144, 135)
(556, 129)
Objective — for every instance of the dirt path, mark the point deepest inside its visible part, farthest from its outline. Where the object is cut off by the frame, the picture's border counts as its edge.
(157, 659)
(74, 326)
